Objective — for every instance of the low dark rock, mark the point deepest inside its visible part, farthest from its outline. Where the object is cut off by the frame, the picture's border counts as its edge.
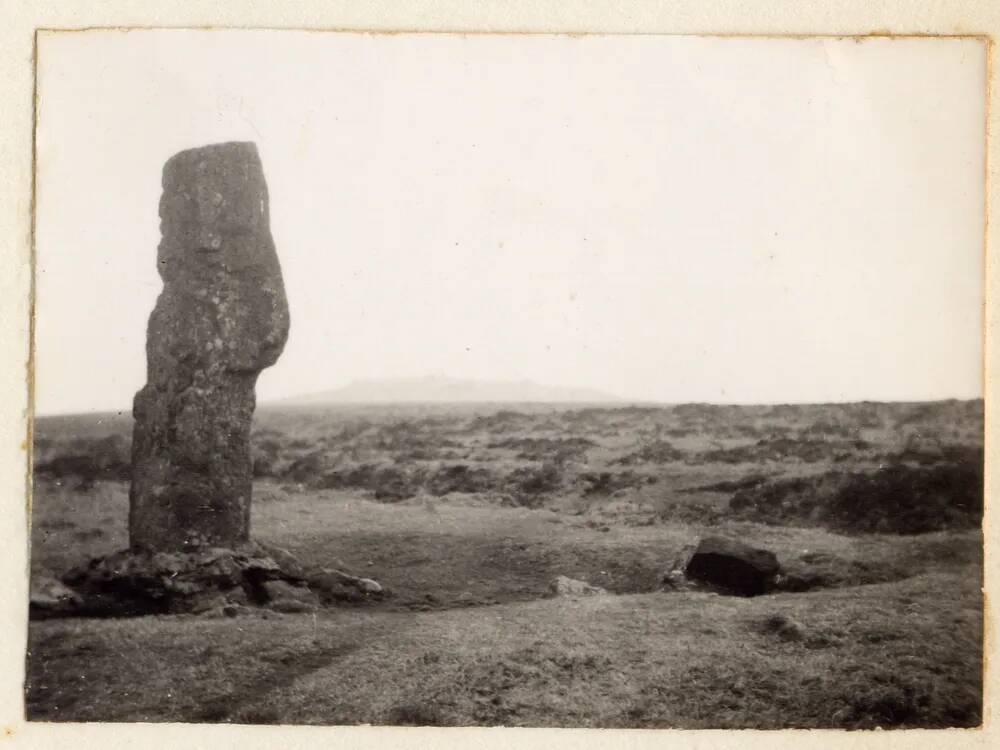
(733, 567)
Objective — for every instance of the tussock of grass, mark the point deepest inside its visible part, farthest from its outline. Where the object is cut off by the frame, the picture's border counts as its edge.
(657, 452)
(783, 448)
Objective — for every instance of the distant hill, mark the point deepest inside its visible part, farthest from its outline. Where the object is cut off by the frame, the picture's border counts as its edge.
(441, 389)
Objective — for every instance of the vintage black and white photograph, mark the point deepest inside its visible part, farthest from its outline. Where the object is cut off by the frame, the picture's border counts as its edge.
(537, 380)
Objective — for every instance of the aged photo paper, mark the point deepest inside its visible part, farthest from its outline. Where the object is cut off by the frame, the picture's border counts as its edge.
(557, 378)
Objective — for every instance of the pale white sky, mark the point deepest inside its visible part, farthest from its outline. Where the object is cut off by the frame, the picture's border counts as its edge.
(664, 218)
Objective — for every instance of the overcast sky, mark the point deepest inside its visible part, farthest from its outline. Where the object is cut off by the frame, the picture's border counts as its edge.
(662, 218)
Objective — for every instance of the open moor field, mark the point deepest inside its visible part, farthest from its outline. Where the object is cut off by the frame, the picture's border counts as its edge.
(467, 512)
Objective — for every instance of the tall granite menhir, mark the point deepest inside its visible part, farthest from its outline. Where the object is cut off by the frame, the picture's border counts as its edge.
(221, 318)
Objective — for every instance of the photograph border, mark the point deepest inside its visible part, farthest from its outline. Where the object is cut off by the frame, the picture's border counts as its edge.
(757, 18)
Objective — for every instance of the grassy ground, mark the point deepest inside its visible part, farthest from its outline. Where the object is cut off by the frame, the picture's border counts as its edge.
(470, 636)
(880, 655)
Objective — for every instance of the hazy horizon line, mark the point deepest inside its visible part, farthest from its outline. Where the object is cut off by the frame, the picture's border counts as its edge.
(624, 403)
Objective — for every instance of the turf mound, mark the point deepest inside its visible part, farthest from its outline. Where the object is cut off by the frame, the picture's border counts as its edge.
(896, 499)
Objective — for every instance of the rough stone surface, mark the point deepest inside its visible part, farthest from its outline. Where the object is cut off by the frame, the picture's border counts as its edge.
(336, 585)
(220, 319)
(675, 578)
(50, 598)
(285, 560)
(283, 591)
(563, 586)
(137, 582)
(211, 602)
(733, 567)
(368, 586)
(209, 581)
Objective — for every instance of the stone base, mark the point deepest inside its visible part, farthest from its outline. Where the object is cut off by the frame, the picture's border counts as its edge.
(209, 580)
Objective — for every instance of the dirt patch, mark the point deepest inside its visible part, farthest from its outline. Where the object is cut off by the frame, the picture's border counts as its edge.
(288, 665)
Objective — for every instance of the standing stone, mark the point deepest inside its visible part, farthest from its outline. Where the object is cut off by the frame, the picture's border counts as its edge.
(221, 318)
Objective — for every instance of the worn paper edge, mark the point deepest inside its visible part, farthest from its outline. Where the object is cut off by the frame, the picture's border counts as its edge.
(748, 17)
